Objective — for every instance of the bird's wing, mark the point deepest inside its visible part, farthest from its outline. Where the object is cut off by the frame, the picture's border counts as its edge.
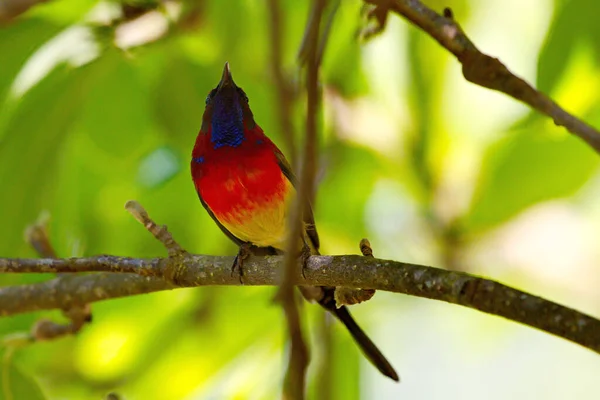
(309, 219)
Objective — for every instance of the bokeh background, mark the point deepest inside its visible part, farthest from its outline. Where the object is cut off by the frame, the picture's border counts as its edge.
(101, 103)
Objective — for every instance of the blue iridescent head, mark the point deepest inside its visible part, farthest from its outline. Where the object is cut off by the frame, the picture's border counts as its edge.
(227, 112)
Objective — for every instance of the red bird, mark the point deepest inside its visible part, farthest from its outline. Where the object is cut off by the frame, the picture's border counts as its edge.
(245, 183)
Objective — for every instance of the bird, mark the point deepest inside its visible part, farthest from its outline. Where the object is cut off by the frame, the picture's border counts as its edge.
(246, 185)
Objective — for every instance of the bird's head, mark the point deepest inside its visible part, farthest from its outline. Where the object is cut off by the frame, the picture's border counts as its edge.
(227, 113)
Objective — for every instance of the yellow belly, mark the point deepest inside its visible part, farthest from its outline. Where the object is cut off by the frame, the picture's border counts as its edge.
(263, 225)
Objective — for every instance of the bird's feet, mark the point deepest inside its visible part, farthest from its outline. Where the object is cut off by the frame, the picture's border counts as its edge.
(304, 256)
(237, 267)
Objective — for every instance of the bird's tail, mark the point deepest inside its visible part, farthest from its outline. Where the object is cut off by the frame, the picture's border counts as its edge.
(366, 345)
(325, 295)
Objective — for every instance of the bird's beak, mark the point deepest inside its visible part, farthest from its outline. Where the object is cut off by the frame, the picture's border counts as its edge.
(226, 78)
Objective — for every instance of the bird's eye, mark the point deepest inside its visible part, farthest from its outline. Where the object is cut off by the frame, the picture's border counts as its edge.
(243, 95)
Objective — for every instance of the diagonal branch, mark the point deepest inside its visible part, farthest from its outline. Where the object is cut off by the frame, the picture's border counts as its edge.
(160, 233)
(351, 271)
(479, 68)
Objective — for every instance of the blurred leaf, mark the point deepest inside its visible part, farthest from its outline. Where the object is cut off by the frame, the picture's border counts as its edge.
(427, 142)
(346, 370)
(158, 167)
(62, 11)
(344, 72)
(351, 172)
(235, 13)
(117, 113)
(17, 43)
(29, 152)
(523, 169)
(591, 10)
(117, 127)
(342, 59)
(195, 349)
(179, 99)
(570, 24)
(15, 385)
(422, 94)
(343, 358)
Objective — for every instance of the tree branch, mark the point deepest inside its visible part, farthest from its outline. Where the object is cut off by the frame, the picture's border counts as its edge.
(352, 271)
(349, 296)
(10, 9)
(480, 68)
(160, 233)
(37, 236)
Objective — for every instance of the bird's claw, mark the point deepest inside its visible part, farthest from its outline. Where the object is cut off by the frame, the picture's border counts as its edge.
(237, 267)
(304, 256)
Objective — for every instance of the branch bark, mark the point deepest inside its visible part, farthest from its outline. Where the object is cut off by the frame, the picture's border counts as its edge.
(479, 68)
(144, 276)
(37, 236)
(11, 9)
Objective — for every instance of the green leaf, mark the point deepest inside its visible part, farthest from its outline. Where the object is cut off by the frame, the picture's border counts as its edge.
(567, 30)
(30, 149)
(591, 9)
(16, 385)
(117, 113)
(17, 43)
(179, 99)
(351, 181)
(342, 58)
(523, 169)
(62, 11)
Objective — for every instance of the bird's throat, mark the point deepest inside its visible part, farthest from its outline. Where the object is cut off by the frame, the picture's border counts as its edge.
(227, 132)
(227, 127)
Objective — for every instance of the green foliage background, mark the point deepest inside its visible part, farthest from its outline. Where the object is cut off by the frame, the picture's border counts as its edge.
(432, 169)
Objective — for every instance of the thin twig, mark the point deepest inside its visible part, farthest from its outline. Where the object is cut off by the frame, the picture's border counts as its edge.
(37, 236)
(285, 95)
(480, 68)
(161, 233)
(294, 386)
(45, 329)
(324, 36)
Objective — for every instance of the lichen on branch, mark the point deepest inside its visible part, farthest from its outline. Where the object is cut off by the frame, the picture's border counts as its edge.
(346, 270)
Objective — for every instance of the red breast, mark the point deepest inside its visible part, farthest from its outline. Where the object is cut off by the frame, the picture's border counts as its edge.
(244, 187)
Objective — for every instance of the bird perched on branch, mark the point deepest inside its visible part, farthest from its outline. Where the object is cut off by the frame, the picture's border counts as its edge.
(246, 185)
